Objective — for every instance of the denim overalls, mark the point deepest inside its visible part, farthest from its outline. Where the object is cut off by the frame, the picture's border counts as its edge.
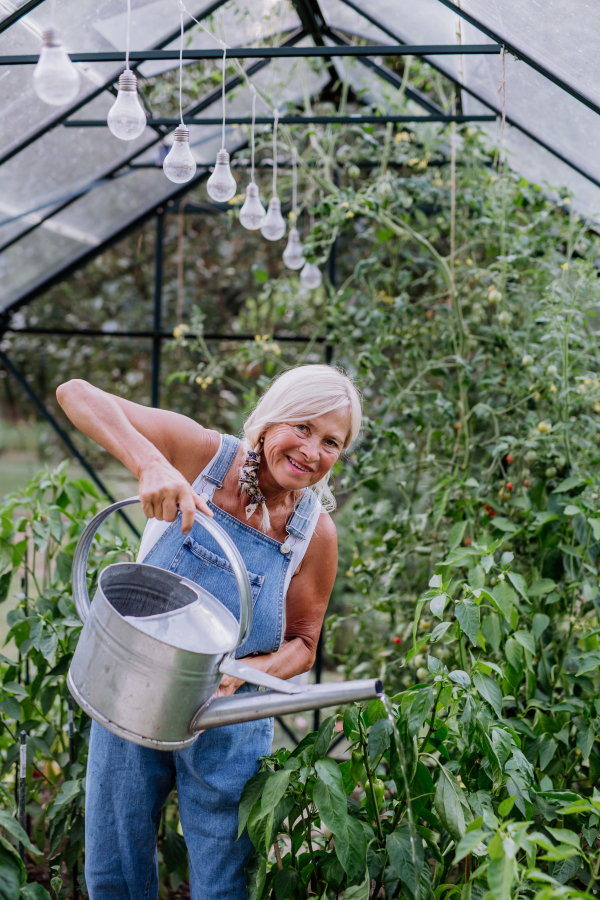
(127, 785)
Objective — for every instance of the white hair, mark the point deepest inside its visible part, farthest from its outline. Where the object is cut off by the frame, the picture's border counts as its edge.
(299, 394)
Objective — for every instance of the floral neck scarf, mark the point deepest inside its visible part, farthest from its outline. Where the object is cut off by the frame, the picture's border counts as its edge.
(249, 483)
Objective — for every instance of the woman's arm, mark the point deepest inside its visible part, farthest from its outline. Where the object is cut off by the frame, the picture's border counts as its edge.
(306, 604)
(163, 450)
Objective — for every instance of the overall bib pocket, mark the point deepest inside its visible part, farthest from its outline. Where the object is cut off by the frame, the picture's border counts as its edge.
(213, 573)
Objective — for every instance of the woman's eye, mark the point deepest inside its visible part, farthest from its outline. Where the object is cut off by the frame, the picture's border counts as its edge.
(300, 427)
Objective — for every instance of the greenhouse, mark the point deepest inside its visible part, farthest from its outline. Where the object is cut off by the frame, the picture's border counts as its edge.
(305, 293)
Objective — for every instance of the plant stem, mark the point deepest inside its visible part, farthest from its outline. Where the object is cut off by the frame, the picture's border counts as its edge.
(431, 724)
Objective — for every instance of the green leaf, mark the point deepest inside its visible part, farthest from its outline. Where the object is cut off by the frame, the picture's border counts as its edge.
(460, 677)
(489, 690)
(350, 721)
(547, 751)
(351, 846)
(437, 605)
(564, 836)
(274, 789)
(595, 525)
(49, 644)
(541, 587)
(359, 891)
(540, 623)
(585, 741)
(504, 524)
(34, 891)
(492, 632)
(68, 792)
(468, 616)
(323, 739)
(260, 828)
(285, 883)
(399, 847)
(456, 534)
(569, 483)
(505, 808)
(501, 873)
(379, 738)
(526, 641)
(12, 708)
(12, 872)
(5, 585)
(12, 826)
(419, 708)
(438, 633)
(468, 843)
(451, 805)
(504, 599)
(519, 583)
(330, 800)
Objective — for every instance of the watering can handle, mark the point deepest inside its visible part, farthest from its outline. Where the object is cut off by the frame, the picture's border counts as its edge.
(82, 551)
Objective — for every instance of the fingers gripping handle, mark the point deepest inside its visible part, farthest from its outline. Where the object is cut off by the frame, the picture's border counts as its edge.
(82, 552)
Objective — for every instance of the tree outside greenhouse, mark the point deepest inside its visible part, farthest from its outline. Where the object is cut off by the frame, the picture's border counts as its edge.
(463, 299)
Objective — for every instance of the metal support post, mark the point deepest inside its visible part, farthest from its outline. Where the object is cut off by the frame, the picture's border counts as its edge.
(158, 286)
(62, 434)
(22, 784)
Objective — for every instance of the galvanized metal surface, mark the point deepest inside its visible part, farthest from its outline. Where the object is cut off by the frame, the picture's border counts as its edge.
(263, 704)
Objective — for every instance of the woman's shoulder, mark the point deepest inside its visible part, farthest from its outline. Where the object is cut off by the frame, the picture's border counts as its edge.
(325, 531)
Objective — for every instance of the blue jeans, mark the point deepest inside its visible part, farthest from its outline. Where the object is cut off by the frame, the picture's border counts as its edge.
(126, 788)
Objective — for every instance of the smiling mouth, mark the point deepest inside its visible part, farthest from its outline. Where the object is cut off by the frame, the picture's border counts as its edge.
(297, 465)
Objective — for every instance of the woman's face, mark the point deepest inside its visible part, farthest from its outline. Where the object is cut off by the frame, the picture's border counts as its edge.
(298, 456)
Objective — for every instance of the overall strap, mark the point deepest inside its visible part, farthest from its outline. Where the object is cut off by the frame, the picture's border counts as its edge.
(221, 465)
(302, 515)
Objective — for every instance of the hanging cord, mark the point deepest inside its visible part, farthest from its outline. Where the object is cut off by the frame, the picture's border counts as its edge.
(181, 70)
(224, 45)
(275, 123)
(253, 89)
(294, 187)
(127, 39)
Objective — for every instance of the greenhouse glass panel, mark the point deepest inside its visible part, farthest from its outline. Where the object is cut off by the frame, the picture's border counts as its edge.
(541, 108)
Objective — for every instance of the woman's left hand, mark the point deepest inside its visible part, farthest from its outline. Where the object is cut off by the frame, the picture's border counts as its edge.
(228, 686)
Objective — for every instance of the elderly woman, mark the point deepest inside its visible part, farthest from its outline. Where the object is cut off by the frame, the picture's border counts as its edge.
(270, 493)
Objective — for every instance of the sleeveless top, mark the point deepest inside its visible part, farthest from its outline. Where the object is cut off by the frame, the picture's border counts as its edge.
(270, 564)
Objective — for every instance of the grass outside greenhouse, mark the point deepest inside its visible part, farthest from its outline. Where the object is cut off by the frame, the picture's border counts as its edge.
(465, 305)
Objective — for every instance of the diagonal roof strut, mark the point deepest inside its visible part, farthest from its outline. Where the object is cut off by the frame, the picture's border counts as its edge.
(512, 122)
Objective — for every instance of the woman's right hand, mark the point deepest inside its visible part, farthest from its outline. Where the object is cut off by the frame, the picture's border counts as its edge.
(164, 492)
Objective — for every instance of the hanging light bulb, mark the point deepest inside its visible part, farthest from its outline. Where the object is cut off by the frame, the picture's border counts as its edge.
(273, 226)
(252, 213)
(292, 255)
(126, 119)
(55, 78)
(310, 276)
(179, 165)
(221, 185)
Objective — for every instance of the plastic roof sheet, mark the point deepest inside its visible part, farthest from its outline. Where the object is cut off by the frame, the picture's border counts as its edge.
(75, 185)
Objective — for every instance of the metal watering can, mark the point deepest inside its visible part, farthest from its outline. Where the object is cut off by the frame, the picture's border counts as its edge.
(154, 646)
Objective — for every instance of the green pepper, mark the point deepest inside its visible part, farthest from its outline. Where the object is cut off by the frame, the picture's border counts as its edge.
(356, 766)
(379, 791)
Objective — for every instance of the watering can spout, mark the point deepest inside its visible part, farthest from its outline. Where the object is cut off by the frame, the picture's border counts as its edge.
(263, 704)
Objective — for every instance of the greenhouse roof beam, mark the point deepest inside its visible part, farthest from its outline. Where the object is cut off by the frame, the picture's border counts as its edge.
(73, 108)
(18, 14)
(520, 54)
(509, 120)
(163, 335)
(295, 120)
(271, 52)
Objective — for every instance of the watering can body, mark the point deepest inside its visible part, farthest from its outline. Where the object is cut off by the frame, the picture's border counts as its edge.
(155, 645)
